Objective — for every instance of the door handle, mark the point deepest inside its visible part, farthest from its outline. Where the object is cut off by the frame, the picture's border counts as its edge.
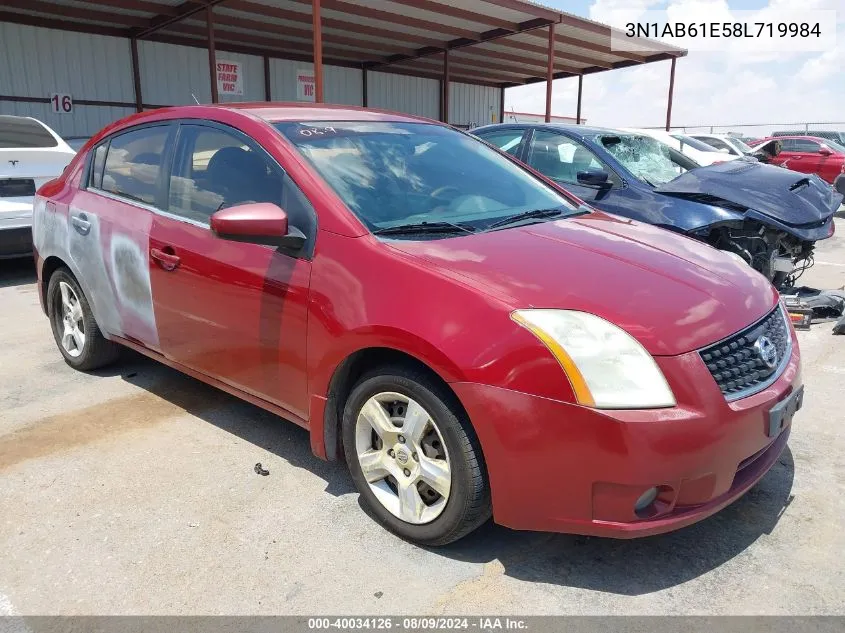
(168, 261)
(81, 224)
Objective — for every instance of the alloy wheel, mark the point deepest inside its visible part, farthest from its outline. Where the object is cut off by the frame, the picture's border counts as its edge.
(403, 457)
(73, 327)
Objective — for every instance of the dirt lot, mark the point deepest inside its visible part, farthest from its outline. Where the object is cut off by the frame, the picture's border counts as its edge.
(132, 491)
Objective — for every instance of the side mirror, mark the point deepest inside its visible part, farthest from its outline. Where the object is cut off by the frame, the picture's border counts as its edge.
(824, 150)
(724, 150)
(257, 223)
(593, 177)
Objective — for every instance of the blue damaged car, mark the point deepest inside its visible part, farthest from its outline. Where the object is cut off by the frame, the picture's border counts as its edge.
(769, 216)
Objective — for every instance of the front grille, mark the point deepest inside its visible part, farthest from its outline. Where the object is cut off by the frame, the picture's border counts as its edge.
(17, 187)
(736, 363)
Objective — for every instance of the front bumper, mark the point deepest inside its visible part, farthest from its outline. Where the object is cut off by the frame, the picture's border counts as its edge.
(561, 467)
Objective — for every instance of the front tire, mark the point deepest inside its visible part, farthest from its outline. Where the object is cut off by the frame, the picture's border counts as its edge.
(77, 335)
(414, 457)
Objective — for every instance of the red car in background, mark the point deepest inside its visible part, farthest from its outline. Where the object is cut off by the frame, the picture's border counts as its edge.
(468, 336)
(809, 155)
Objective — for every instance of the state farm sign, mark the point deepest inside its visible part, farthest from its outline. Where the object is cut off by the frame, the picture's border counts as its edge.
(230, 78)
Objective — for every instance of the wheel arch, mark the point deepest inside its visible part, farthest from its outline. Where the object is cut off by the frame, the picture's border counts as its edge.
(347, 373)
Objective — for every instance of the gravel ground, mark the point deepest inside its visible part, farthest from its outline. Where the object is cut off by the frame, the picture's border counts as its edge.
(132, 491)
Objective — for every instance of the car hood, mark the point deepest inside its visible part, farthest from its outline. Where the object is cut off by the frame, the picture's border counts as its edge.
(785, 195)
(670, 292)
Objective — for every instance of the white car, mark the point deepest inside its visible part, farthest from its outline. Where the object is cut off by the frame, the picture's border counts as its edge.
(725, 143)
(30, 155)
(700, 152)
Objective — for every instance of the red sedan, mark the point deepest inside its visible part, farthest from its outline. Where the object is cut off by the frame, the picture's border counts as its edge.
(809, 155)
(472, 339)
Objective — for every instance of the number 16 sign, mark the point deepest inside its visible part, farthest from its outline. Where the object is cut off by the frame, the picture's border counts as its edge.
(61, 103)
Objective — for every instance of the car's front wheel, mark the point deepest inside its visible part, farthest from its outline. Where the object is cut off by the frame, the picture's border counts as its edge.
(76, 332)
(414, 457)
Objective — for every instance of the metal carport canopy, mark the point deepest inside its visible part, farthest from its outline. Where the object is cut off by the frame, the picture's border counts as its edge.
(500, 43)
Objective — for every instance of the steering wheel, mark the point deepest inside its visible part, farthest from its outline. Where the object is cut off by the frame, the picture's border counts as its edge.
(438, 193)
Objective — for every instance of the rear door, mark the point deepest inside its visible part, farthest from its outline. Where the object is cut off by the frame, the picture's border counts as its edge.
(109, 228)
(230, 310)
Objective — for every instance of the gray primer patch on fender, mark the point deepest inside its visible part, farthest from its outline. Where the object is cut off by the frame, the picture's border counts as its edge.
(131, 272)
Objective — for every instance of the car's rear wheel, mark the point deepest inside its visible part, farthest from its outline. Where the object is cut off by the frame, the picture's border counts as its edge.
(414, 457)
(79, 339)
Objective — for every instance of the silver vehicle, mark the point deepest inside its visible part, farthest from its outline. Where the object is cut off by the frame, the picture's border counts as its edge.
(30, 155)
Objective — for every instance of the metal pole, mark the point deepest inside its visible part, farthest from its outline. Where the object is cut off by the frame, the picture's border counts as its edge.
(671, 92)
(578, 110)
(445, 91)
(550, 72)
(364, 86)
(318, 51)
(502, 104)
(136, 75)
(268, 92)
(212, 54)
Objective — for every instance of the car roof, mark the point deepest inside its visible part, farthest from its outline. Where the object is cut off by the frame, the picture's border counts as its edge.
(282, 111)
(581, 130)
(802, 136)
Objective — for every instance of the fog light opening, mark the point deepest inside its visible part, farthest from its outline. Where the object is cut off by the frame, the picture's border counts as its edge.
(644, 504)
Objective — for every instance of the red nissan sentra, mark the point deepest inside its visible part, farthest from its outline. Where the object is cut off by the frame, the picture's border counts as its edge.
(470, 338)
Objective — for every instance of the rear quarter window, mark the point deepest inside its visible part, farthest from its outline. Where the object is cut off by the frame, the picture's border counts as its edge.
(17, 132)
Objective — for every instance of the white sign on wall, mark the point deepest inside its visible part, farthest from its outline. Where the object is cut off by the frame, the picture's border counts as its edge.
(61, 103)
(230, 78)
(304, 85)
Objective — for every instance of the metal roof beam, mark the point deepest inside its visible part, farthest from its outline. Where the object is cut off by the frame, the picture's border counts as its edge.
(182, 11)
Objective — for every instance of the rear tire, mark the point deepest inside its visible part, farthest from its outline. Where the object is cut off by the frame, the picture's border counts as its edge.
(77, 335)
(423, 438)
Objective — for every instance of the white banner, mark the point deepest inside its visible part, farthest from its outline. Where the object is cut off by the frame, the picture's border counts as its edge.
(305, 85)
(230, 78)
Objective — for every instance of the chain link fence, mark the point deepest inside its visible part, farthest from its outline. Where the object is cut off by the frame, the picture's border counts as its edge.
(760, 130)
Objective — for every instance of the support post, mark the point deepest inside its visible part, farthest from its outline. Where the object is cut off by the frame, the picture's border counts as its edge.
(136, 75)
(502, 104)
(671, 92)
(317, 37)
(444, 108)
(578, 110)
(550, 71)
(268, 91)
(364, 86)
(212, 54)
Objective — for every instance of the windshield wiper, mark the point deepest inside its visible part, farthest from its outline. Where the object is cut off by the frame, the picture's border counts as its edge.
(526, 215)
(423, 227)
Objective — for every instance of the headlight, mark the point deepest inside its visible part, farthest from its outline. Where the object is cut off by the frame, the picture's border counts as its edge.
(606, 366)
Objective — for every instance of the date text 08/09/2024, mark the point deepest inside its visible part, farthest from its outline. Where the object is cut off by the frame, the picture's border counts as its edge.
(723, 29)
(386, 623)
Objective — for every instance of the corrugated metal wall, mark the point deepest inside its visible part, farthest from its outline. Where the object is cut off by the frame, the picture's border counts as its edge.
(473, 105)
(342, 85)
(413, 95)
(36, 62)
(170, 74)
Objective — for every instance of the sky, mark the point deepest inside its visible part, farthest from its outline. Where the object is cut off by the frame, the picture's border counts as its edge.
(711, 88)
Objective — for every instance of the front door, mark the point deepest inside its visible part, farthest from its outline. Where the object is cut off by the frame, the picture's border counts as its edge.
(561, 158)
(800, 155)
(230, 310)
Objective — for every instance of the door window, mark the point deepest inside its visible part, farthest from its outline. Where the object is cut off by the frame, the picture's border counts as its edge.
(805, 146)
(214, 169)
(506, 140)
(133, 164)
(560, 157)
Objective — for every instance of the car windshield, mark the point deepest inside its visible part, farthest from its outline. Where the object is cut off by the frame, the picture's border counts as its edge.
(646, 158)
(693, 142)
(393, 174)
(743, 147)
